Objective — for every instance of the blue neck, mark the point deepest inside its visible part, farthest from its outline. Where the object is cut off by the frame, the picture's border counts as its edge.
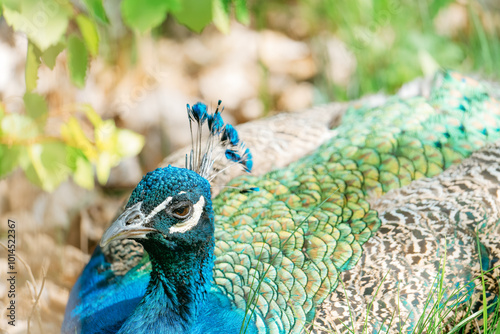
(179, 283)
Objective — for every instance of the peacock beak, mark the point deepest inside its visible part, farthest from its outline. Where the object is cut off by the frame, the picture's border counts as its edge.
(129, 225)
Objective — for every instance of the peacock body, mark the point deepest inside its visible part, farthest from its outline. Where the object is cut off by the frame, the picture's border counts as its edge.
(441, 229)
(282, 240)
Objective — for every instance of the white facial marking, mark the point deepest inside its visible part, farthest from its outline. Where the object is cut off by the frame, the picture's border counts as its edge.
(191, 222)
(159, 208)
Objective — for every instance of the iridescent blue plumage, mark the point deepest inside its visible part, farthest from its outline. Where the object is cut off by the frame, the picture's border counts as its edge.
(223, 141)
(198, 113)
(230, 135)
(170, 290)
(247, 160)
(101, 300)
(232, 155)
(170, 214)
(215, 122)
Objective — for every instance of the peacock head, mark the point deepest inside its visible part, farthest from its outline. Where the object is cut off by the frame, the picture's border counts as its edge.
(170, 207)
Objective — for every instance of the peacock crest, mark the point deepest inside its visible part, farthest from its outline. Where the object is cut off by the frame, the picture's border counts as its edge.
(223, 142)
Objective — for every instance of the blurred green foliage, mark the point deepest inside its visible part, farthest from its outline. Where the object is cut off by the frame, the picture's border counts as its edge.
(56, 25)
(49, 160)
(394, 41)
(391, 42)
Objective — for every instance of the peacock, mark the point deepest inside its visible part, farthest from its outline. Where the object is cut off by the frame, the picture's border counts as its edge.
(299, 248)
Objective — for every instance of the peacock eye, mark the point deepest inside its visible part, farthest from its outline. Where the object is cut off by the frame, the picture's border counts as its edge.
(182, 211)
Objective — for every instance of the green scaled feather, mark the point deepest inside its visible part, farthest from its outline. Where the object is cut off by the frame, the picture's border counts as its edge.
(280, 249)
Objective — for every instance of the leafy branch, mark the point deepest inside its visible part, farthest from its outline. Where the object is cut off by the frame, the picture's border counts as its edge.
(52, 26)
(48, 160)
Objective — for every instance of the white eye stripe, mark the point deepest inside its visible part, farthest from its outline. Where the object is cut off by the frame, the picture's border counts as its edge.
(191, 222)
(179, 228)
(159, 208)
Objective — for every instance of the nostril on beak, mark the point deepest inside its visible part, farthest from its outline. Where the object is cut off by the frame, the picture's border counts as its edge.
(132, 219)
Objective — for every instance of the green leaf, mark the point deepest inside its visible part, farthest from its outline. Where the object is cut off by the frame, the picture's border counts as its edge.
(175, 5)
(220, 16)
(105, 162)
(11, 4)
(105, 136)
(96, 10)
(48, 167)
(89, 32)
(73, 135)
(17, 127)
(93, 117)
(77, 60)
(241, 11)
(129, 143)
(435, 6)
(84, 173)
(195, 14)
(35, 105)
(9, 158)
(49, 56)
(32, 65)
(80, 165)
(109, 146)
(144, 15)
(44, 22)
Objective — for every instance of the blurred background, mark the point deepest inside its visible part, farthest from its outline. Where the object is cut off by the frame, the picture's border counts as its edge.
(93, 95)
